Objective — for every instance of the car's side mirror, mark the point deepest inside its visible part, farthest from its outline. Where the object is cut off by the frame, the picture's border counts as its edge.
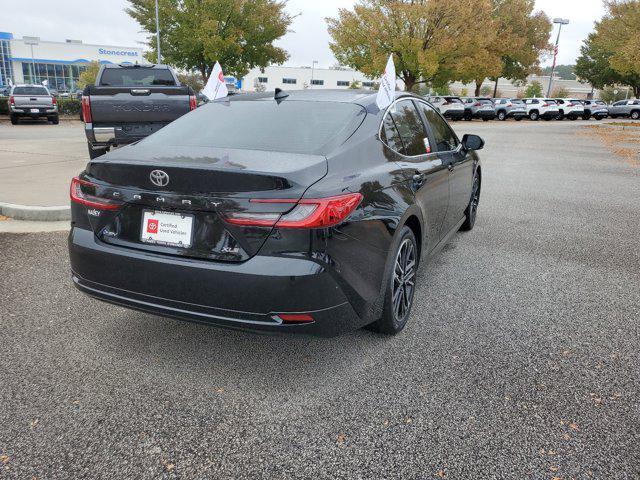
(472, 142)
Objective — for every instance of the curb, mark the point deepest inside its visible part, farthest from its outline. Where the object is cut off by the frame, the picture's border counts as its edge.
(40, 214)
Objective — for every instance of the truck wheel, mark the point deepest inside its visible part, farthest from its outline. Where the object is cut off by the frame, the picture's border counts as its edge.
(14, 119)
(96, 152)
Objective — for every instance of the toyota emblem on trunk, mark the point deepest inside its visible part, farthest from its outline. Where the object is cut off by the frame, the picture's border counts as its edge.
(159, 178)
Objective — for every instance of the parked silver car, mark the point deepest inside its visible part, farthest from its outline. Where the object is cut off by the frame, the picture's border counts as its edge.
(596, 109)
(32, 101)
(625, 108)
(510, 108)
(479, 107)
(450, 107)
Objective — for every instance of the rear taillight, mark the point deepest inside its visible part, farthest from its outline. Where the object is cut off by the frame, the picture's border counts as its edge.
(86, 109)
(477, 104)
(307, 212)
(509, 104)
(545, 104)
(54, 100)
(12, 101)
(193, 102)
(446, 103)
(84, 192)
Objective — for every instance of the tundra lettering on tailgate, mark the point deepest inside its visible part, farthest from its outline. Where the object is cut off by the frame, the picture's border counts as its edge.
(140, 107)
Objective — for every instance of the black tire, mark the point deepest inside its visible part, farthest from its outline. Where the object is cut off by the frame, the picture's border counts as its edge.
(586, 116)
(468, 116)
(400, 284)
(560, 115)
(472, 209)
(572, 118)
(55, 120)
(598, 118)
(517, 119)
(486, 119)
(14, 120)
(534, 116)
(502, 115)
(635, 115)
(96, 152)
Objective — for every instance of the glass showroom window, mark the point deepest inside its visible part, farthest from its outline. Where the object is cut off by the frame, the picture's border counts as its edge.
(317, 82)
(289, 81)
(343, 83)
(62, 77)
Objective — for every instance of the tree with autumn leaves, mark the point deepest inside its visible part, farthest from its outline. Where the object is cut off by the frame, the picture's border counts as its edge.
(439, 41)
(611, 54)
(195, 34)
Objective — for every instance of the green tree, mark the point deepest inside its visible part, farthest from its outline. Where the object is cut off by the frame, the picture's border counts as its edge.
(519, 36)
(194, 80)
(433, 41)
(88, 77)
(534, 89)
(611, 54)
(194, 34)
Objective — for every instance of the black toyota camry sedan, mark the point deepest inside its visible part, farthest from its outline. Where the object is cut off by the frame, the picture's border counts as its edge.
(301, 212)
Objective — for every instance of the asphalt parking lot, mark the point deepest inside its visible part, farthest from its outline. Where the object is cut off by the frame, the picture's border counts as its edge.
(520, 360)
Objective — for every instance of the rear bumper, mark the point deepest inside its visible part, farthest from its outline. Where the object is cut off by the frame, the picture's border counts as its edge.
(111, 135)
(453, 114)
(244, 296)
(516, 114)
(488, 114)
(42, 112)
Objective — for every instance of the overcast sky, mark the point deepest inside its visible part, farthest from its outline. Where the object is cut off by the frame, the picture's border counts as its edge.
(105, 22)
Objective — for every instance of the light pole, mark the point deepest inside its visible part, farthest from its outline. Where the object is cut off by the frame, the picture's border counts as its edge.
(31, 41)
(313, 65)
(158, 33)
(561, 22)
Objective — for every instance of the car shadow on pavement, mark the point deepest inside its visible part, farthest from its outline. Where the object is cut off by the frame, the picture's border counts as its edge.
(164, 346)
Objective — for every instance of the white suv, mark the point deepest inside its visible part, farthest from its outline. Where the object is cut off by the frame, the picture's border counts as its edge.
(451, 107)
(538, 108)
(571, 108)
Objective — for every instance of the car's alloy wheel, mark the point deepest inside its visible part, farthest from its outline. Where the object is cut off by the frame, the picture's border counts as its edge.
(502, 116)
(399, 284)
(404, 280)
(534, 116)
(472, 209)
(635, 115)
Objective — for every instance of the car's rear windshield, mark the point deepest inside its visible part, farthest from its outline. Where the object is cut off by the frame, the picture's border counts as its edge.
(453, 99)
(30, 91)
(599, 102)
(136, 77)
(517, 100)
(485, 102)
(551, 102)
(291, 126)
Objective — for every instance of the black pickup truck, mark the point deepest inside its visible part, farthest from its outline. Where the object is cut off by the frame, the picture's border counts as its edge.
(130, 102)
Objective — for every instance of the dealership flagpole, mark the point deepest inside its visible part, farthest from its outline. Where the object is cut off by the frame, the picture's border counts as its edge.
(158, 33)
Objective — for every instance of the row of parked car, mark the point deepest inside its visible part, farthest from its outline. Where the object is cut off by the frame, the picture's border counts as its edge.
(484, 108)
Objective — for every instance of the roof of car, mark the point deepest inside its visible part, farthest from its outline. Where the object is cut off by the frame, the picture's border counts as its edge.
(137, 65)
(360, 97)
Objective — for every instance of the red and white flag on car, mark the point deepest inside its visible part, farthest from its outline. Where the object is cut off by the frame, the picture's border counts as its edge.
(216, 87)
(386, 93)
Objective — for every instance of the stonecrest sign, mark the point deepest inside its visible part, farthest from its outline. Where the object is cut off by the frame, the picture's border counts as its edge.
(122, 53)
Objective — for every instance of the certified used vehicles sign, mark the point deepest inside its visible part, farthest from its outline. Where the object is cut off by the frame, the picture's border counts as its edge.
(166, 228)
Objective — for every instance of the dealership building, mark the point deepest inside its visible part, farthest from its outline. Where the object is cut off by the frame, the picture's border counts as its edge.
(31, 60)
(299, 78)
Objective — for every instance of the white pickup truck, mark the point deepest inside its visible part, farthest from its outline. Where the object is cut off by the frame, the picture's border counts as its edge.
(32, 101)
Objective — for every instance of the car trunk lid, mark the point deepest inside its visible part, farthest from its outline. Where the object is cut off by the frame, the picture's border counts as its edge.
(204, 186)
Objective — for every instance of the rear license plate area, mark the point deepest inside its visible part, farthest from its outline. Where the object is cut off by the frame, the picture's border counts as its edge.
(167, 228)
